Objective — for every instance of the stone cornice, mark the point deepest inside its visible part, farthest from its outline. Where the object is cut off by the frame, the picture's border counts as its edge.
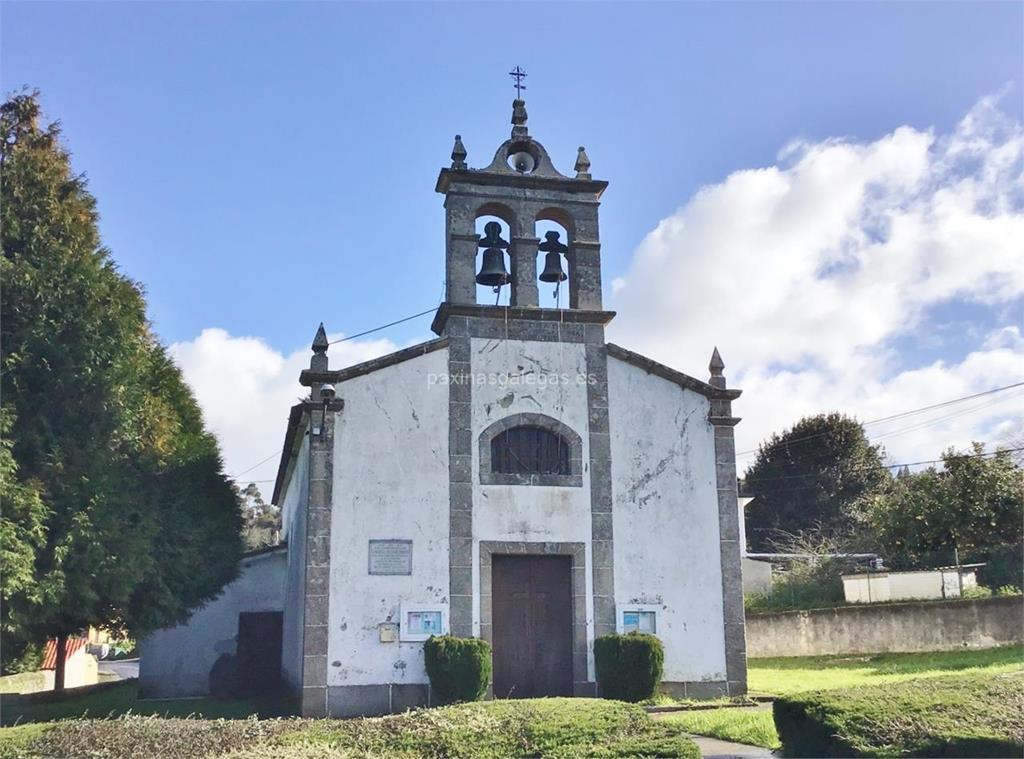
(515, 313)
(672, 375)
(447, 177)
(334, 376)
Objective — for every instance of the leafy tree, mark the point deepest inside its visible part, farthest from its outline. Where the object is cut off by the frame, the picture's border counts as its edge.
(975, 505)
(261, 522)
(810, 477)
(140, 523)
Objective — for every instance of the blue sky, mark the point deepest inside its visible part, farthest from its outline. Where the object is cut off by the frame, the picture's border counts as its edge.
(261, 167)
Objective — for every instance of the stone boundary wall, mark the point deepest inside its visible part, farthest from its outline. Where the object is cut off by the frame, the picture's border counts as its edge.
(888, 628)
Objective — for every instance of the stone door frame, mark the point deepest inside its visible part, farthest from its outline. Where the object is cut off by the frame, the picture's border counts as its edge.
(581, 685)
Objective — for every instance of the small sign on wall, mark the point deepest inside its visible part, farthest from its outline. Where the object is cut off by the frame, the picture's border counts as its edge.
(420, 621)
(639, 618)
(390, 557)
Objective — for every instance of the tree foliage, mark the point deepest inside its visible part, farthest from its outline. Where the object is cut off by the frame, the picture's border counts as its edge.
(810, 477)
(135, 523)
(975, 504)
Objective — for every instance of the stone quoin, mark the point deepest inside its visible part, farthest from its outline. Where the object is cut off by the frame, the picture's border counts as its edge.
(517, 478)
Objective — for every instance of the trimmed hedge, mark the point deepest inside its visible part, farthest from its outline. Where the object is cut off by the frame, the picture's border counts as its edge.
(947, 716)
(459, 668)
(556, 728)
(629, 666)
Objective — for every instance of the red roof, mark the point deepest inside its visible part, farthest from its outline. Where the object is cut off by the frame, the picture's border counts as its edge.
(50, 653)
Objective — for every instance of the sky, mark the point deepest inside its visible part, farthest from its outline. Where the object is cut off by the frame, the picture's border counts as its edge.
(831, 193)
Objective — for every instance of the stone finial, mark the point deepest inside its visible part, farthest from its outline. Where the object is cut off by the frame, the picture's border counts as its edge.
(716, 367)
(582, 166)
(459, 153)
(519, 119)
(318, 362)
(320, 340)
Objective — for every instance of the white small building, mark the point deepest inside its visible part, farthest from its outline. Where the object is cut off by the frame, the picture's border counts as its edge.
(943, 582)
(80, 667)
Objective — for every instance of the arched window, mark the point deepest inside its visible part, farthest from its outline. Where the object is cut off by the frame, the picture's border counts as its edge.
(529, 450)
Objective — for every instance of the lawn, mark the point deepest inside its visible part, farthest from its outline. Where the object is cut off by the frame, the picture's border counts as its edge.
(743, 725)
(124, 699)
(803, 674)
(793, 675)
(555, 727)
(950, 716)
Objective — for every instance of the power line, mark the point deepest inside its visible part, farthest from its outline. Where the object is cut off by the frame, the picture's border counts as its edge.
(883, 466)
(383, 326)
(945, 417)
(264, 461)
(899, 415)
(332, 342)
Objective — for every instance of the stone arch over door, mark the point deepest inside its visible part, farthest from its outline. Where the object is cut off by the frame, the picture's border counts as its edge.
(575, 477)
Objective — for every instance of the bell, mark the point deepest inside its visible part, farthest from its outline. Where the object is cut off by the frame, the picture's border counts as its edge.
(553, 268)
(553, 258)
(492, 269)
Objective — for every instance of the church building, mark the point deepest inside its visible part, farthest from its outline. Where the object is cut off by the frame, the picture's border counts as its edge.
(517, 478)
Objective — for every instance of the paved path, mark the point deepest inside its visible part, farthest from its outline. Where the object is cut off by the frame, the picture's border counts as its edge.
(125, 669)
(712, 748)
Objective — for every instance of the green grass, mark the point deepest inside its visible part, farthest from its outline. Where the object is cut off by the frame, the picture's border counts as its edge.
(527, 728)
(742, 725)
(16, 742)
(797, 674)
(17, 683)
(124, 699)
(802, 674)
(951, 716)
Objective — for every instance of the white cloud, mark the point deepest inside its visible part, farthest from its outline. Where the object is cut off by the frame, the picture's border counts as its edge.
(246, 389)
(805, 272)
(802, 273)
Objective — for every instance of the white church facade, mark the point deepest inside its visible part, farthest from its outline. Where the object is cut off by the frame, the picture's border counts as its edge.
(517, 479)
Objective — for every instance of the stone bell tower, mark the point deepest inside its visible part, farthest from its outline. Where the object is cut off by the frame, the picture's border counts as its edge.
(521, 187)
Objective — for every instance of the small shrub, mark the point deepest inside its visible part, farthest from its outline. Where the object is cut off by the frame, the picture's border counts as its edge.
(1007, 590)
(629, 667)
(979, 591)
(459, 668)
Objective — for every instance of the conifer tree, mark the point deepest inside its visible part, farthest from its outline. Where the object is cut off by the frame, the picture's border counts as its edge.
(140, 523)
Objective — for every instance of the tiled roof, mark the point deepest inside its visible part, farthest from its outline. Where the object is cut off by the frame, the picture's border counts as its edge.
(50, 653)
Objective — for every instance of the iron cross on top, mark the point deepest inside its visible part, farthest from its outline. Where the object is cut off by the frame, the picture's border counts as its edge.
(518, 74)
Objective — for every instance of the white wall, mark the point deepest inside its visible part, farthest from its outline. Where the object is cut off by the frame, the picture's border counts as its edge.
(390, 482)
(175, 662)
(757, 576)
(666, 517)
(905, 586)
(293, 516)
(518, 379)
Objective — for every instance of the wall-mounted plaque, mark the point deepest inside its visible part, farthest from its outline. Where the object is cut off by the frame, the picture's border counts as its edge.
(390, 557)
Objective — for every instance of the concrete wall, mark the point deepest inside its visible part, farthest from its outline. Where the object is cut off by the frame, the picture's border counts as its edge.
(666, 518)
(175, 662)
(390, 483)
(919, 626)
(293, 516)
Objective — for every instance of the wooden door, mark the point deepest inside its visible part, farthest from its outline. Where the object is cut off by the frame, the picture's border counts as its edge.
(532, 625)
(259, 652)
